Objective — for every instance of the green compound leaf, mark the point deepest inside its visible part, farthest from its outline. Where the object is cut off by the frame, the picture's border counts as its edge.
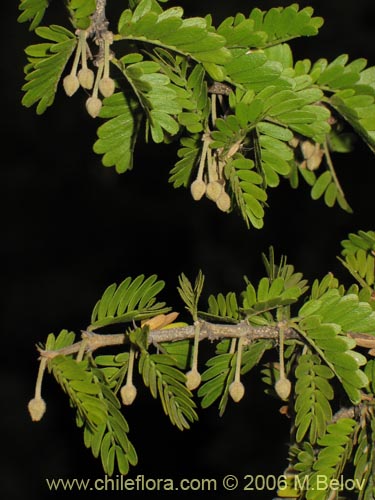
(299, 111)
(239, 31)
(246, 184)
(283, 270)
(223, 308)
(363, 240)
(165, 381)
(64, 339)
(188, 154)
(156, 95)
(169, 30)
(361, 266)
(253, 354)
(80, 12)
(350, 90)
(131, 300)
(363, 459)
(47, 62)
(216, 380)
(253, 70)
(263, 29)
(190, 294)
(104, 427)
(282, 24)
(180, 351)
(220, 371)
(324, 321)
(32, 10)
(335, 451)
(116, 137)
(270, 294)
(313, 391)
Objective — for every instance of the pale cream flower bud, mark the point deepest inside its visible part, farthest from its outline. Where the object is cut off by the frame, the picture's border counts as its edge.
(193, 379)
(283, 388)
(86, 78)
(93, 106)
(197, 189)
(37, 408)
(214, 190)
(223, 202)
(128, 394)
(107, 86)
(70, 84)
(236, 391)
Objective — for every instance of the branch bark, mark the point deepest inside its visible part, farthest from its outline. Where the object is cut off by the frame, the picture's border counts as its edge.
(210, 331)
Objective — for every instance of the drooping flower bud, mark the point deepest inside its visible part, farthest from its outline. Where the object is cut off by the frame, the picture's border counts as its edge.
(214, 190)
(86, 78)
(193, 379)
(223, 202)
(283, 388)
(197, 189)
(37, 408)
(93, 106)
(70, 84)
(106, 86)
(128, 394)
(236, 391)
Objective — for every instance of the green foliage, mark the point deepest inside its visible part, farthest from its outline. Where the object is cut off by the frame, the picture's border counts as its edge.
(104, 426)
(129, 301)
(80, 12)
(167, 29)
(323, 322)
(220, 372)
(216, 380)
(236, 87)
(313, 391)
(47, 62)
(247, 117)
(117, 135)
(224, 308)
(364, 457)
(165, 381)
(359, 258)
(316, 471)
(156, 95)
(190, 294)
(322, 363)
(32, 10)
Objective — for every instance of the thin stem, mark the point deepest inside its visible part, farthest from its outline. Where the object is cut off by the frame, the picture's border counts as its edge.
(38, 384)
(281, 351)
(332, 168)
(129, 375)
(202, 161)
(77, 57)
(238, 360)
(106, 58)
(194, 363)
(213, 109)
(81, 351)
(98, 78)
(232, 346)
(319, 351)
(82, 37)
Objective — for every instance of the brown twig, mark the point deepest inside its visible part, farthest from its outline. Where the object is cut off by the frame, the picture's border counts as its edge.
(209, 331)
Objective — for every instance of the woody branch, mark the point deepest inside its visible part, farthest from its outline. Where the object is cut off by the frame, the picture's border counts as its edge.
(210, 331)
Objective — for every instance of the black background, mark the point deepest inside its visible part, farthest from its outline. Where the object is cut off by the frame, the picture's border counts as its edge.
(70, 227)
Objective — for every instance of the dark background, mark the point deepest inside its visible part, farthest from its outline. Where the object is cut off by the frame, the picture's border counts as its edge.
(70, 227)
